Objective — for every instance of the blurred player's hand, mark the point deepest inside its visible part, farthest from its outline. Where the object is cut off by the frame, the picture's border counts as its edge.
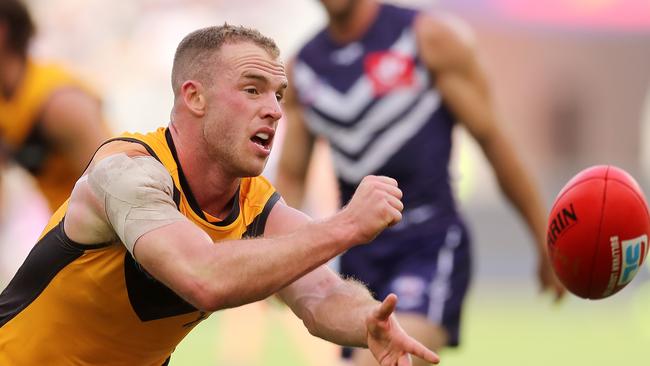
(388, 342)
(376, 205)
(547, 279)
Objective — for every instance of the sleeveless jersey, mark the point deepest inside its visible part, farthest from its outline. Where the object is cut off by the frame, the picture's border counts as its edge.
(93, 304)
(374, 101)
(21, 135)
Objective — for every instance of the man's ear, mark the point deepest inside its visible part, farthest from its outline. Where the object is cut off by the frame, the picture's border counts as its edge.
(193, 97)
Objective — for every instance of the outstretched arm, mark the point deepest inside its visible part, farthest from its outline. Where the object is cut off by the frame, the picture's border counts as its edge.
(344, 312)
(447, 48)
(131, 198)
(236, 272)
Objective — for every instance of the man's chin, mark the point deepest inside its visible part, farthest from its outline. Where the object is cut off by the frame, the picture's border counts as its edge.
(253, 171)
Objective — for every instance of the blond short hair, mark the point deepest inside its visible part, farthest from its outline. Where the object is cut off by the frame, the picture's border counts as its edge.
(196, 51)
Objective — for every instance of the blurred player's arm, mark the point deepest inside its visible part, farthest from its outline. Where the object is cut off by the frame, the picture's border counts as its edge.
(296, 150)
(447, 47)
(72, 120)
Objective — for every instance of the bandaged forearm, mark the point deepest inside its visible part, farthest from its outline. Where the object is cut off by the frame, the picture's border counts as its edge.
(136, 193)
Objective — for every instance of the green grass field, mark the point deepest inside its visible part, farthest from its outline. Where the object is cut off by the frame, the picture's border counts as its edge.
(503, 326)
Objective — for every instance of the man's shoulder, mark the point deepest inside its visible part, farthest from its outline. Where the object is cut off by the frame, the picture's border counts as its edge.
(129, 171)
(444, 27)
(444, 38)
(120, 145)
(153, 143)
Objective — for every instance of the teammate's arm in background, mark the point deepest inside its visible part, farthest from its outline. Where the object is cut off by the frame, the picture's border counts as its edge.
(446, 46)
(296, 149)
(73, 122)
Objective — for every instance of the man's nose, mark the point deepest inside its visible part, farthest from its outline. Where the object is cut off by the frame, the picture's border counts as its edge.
(272, 109)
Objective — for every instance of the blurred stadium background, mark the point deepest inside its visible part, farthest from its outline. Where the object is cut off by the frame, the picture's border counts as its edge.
(571, 80)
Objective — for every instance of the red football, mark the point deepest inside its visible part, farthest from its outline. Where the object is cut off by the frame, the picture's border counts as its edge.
(597, 234)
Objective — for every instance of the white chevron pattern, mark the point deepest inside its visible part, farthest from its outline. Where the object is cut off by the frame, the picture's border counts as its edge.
(353, 138)
(345, 107)
(388, 143)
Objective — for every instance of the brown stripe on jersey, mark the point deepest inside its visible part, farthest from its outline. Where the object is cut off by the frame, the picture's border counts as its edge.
(48, 257)
(256, 228)
(150, 298)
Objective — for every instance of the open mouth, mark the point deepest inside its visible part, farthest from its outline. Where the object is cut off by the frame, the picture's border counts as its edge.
(263, 139)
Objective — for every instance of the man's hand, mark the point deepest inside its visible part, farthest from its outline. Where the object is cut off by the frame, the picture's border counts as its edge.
(388, 342)
(376, 205)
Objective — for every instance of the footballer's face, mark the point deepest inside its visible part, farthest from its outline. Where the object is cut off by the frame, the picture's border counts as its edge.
(244, 108)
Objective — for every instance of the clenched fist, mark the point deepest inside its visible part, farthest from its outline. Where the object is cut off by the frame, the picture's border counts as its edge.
(376, 205)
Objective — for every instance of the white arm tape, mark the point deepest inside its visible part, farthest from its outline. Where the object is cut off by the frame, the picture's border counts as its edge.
(137, 195)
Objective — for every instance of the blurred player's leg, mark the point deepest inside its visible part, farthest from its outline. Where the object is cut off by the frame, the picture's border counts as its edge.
(434, 336)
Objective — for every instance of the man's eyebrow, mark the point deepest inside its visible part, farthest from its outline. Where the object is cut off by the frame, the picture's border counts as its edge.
(263, 79)
(257, 77)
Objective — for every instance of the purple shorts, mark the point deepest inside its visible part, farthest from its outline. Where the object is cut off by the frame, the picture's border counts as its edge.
(429, 272)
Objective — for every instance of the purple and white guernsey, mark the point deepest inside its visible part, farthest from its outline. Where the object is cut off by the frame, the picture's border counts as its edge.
(373, 100)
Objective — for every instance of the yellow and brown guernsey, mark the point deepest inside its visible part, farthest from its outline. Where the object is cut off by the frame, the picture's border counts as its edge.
(21, 134)
(72, 304)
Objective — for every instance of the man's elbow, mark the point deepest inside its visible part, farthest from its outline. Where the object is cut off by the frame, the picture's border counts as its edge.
(218, 294)
(206, 296)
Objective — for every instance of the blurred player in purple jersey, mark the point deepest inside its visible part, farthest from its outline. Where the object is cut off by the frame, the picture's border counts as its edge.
(385, 86)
